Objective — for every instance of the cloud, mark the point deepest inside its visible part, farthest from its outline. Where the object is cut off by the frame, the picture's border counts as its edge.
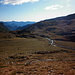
(69, 5)
(34, 9)
(68, 0)
(16, 2)
(53, 7)
(45, 0)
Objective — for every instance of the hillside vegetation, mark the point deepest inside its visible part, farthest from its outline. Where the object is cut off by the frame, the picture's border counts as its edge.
(61, 28)
(34, 56)
(44, 48)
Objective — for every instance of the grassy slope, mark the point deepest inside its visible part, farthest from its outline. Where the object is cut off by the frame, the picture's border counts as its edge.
(16, 58)
(24, 45)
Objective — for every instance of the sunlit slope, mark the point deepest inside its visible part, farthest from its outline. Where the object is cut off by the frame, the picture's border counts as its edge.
(61, 28)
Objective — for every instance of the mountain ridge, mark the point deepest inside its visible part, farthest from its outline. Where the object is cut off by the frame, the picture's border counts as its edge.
(13, 25)
(5, 32)
(3, 28)
(63, 27)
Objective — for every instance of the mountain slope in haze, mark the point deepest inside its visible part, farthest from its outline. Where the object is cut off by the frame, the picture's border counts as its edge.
(13, 25)
(3, 28)
(62, 28)
(23, 27)
(4, 31)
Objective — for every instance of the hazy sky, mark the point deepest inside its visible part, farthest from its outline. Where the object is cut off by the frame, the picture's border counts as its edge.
(34, 10)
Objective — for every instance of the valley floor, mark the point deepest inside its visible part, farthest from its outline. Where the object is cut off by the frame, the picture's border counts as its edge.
(35, 56)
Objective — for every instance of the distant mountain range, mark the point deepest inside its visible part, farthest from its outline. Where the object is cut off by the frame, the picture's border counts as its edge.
(60, 28)
(14, 25)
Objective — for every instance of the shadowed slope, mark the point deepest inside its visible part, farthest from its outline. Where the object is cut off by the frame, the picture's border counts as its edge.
(4, 32)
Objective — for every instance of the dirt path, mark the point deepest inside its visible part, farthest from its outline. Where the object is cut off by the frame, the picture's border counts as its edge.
(52, 43)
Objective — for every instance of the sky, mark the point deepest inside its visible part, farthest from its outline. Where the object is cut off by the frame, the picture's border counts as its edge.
(35, 10)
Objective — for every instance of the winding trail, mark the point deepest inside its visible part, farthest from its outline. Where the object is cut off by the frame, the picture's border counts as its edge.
(52, 43)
